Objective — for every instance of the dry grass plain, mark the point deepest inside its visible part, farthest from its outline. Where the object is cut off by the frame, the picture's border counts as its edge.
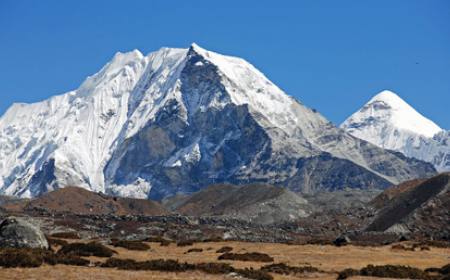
(327, 258)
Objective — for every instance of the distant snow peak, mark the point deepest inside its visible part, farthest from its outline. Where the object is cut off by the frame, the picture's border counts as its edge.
(388, 97)
(388, 109)
(389, 122)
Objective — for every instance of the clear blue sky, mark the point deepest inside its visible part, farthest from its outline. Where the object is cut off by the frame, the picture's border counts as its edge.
(332, 55)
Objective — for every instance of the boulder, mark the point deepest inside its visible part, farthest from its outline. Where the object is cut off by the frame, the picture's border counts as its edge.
(342, 240)
(18, 233)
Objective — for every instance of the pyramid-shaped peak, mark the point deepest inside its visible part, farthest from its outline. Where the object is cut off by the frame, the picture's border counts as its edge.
(390, 98)
(394, 112)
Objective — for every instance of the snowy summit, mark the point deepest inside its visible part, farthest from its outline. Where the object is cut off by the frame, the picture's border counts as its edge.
(389, 122)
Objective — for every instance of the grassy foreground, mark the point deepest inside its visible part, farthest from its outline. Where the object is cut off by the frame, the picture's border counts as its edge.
(329, 260)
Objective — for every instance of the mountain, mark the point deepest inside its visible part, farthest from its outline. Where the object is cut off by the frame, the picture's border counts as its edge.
(390, 123)
(419, 206)
(258, 203)
(80, 201)
(386, 197)
(178, 120)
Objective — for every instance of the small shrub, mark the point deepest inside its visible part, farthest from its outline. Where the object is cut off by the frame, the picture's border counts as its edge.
(53, 259)
(184, 243)
(71, 260)
(393, 271)
(194, 250)
(56, 242)
(164, 243)
(437, 243)
(131, 245)
(66, 235)
(49, 257)
(254, 274)
(346, 273)
(282, 268)
(22, 257)
(87, 249)
(225, 249)
(175, 266)
(421, 246)
(126, 264)
(167, 265)
(445, 270)
(215, 268)
(433, 270)
(158, 265)
(398, 247)
(154, 239)
(36, 257)
(252, 257)
(157, 239)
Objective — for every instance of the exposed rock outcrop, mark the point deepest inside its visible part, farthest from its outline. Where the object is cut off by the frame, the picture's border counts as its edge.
(16, 232)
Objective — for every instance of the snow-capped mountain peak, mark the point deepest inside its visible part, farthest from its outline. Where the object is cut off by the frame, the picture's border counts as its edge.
(391, 123)
(177, 120)
(400, 114)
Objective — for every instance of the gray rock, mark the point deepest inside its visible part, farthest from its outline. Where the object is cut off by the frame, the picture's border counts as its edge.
(18, 233)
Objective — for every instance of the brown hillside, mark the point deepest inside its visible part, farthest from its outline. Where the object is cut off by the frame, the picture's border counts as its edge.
(386, 196)
(81, 201)
(423, 207)
(259, 203)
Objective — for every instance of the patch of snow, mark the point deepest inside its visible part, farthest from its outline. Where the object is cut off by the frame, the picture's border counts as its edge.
(139, 189)
(177, 163)
(190, 154)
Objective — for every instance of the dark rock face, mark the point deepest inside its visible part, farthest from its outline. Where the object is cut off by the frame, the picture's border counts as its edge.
(325, 172)
(18, 233)
(43, 178)
(225, 139)
(192, 143)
